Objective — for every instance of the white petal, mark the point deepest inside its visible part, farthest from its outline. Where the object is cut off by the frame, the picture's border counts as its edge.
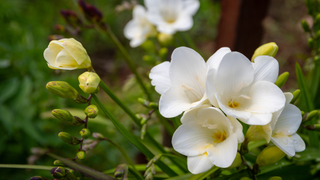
(237, 128)
(266, 97)
(234, 73)
(289, 120)
(258, 119)
(266, 68)
(191, 6)
(160, 77)
(191, 139)
(214, 116)
(51, 53)
(183, 23)
(139, 12)
(288, 96)
(298, 143)
(223, 154)
(285, 144)
(64, 59)
(214, 60)
(173, 102)
(211, 87)
(166, 28)
(199, 164)
(131, 29)
(191, 114)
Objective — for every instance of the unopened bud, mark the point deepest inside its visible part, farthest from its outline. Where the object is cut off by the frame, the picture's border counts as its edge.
(66, 137)
(92, 13)
(153, 168)
(305, 26)
(121, 170)
(59, 28)
(163, 52)
(269, 155)
(269, 49)
(310, 43)
(97, 135)
(91, 111)
(296, 95)
(149, 46)
(275, 178)
(313, 127)
(143, 130)
(312, 114)
(81, 154)
(153, 105)
(81, 100)
(149, 176)
(282, 79)
(236, 162)
(58, 172)
(85, 133)
(144, 102)
(58, 163)
(149, 59)
(71, 18)
(38, 178)
(62, 89)
(89, 82)
(165, 39)
(63, 115)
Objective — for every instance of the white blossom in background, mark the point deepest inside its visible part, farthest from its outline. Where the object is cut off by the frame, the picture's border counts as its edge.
(207, 137)
(181, 82)
(284, 129)
(139, 28)
(245, 90)
(172, 15)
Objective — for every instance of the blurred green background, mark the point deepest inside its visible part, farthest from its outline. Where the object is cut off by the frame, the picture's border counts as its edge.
(25, 104)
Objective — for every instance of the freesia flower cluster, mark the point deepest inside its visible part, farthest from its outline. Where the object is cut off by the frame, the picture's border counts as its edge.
(164, 16)
(216, 95)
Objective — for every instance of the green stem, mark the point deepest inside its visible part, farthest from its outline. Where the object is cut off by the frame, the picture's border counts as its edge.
(189, 41)
(135, 173)
(133, 139)
(106, 29)
(26, 166)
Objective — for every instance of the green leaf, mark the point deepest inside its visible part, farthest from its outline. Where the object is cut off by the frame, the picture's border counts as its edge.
(6, 117)
(8, 89)
(304, 88)
(204, 175)
(26, 166)
(181, 177)
(88, 172)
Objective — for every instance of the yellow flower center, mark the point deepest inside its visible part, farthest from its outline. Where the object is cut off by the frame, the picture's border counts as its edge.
(219, 137)
(233, 104)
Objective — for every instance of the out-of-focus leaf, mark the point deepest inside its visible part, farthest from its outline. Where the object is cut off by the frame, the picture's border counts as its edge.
(304, 88)
(96, 175)
(204, 174)
(6, 117)
(8, 88)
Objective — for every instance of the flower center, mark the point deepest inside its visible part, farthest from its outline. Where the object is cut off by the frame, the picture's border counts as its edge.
(233, 104)
(219, 136)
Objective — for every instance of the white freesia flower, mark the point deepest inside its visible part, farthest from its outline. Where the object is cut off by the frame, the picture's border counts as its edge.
(172, 15)
(284, 131)
(208, 138)
(245, 90)
(139, 28)
(181, 82)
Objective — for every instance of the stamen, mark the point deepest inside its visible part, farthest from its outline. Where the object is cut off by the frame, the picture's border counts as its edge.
(244, 96)
(233, 104)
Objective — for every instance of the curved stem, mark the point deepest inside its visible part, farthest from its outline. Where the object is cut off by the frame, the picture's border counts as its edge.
(135, 173)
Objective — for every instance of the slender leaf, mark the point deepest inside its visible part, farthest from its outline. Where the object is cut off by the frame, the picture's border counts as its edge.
(88, 172)
(26, 166)
(204, 175)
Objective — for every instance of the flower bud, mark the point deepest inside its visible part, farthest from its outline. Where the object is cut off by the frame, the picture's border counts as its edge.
(121, 170)
(62, 89)
(153, 105)
(67, 54)
(58, 172)
(63, 115)
(313, 127)
(165, 39)
(312, 114)
(149, 46)
(149, 59)
(89, 82)
(81, 154)
(282, 79)
(305, 26)
(269, 155)
(92, 13)
(66, 137)
(97, 135)
(71, 18)
(163, 52)
(38, 178)
(296, 95)
(85, 133)
(91, 111)
(269, 49)
(236, 162)
(310, 42)
(58, 163)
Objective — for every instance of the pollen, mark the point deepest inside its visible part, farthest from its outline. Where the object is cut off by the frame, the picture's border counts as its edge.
(233, 104)
(219, 137)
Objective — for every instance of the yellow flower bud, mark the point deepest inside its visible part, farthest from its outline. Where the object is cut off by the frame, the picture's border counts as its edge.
(85, 133)
(89, 82)
(282, 79)
(269, 155)
(269, 49)
(91, 111)
(63, 115)
(165, 39)
(67, 54)
(81, 154)
(62, 89)
(236, 162)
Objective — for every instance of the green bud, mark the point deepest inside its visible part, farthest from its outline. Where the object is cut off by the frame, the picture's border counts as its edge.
(81, 154)
(85, 133)
(282, 79)
(89, 82)
(163, 52)
(312, 114)
(58, 172)
(58, 163)
(236, 162)
(305, 26)
(66, 137)
(149, 176)
(153, 105)
(91, 111)
(269, 49)
(144, 102)
(62, 89)
(269, 155)
(165, 39)
(63, 115)
(149, 59)
(310, 42)
(121, 170)
(153, 168)
(38, 178)
(143, 130)
(97, 135)
(149, 46)
(313, 127)
(275, 178)
(296, 95)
